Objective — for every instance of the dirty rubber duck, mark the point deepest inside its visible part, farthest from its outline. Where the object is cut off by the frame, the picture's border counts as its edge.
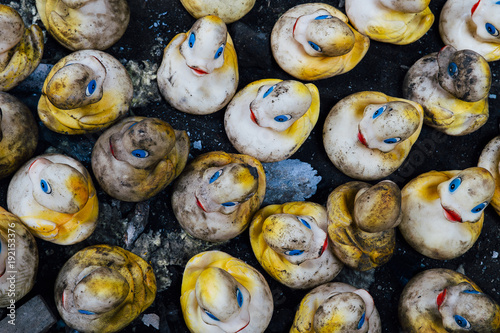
(472, 25)
(336, 307)
(315, 41)
(217, 194)
(138, 157)
(443, 211)
(102, 288)
(291, 243)
(220, 293)
(396, 22)
(490, 160)
(441, 300)
(21, 48)
(18, 134)
(368, 135)
(361, 222)
(16, 238)
(85, 24)
(229, 11)
(452, 86)
(55, 198)
(270, 119)
(199, 70)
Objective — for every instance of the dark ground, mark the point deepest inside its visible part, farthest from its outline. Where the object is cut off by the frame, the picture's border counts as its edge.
(152, 25)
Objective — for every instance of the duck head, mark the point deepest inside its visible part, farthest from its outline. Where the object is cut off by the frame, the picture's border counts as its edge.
(12, 28)
(383, 126)
(406, 6)
(465, 196)
(485, 15)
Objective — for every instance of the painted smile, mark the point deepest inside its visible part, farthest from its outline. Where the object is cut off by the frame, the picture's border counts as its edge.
(111, 149)
(200, 205)
(198, 71)
(440, 298)
(254, 119)
(451, 215)
(362, 139)
(241, 329)
(325, 245)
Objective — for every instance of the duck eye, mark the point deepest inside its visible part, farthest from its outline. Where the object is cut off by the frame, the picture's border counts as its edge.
(219, 52)
(192, 39)
(132, 125)
(239, 297)
(282, 118)
(479, 208)
(91, 88)
(229, 204)
(45, 186)
(471, 292)
(268, 91)
(315, 46)
(140, 153)
(85, 312)
(461, 321)
(294, 252)
(455, 184)
(491, 29)
(392, 140)
(304, 222)
(379, 111)
(211, 315)
(322, 17)
(452, 69)
(362, 320)
(215, 176)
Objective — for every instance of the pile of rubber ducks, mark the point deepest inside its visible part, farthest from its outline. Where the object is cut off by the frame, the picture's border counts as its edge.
(218, 195)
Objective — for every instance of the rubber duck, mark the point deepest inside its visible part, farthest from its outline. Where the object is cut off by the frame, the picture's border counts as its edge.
(368, 135)
(138, 157)
(490, 159)
(16, 239)
(85, 24)
(229, 11)
(441, 300)
(336, 307)
(472, 25)
(18, 134)
(270, 119)
(102, 288)
(361, 222)
(21, 48)
(199, 70)
(290, 241)
(389, 21)
(220, 293)
(217, 194)
(84, 92)
(55, 198)
(315, 41)
(443, 211)
(452, 86)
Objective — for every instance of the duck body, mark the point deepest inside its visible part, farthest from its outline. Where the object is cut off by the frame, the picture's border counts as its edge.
(452, 86)
(220, 293)
(84, 92)
(21, 49)
(229, 11)
(86, 24)
(359, 155)
(18, 134)
(291, 243)
(395, 22)
(336, 307)
(199, 70)
(362, 221)
(217, 194)
(441, 300)
(337, 47)
(138, 157)
(102, 288)
(55, 198)
(270, 119)
(490, 160)
(442, 215)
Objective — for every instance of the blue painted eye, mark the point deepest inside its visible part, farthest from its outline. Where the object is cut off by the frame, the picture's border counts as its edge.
(282, 118)
(91, 88)
(491, 29)
(140, 153)
(379, 111)
(304, 222)
(452, 69)
(211, 316)
(322, 17)
(361, 321)
(219, 52)
(392, 140)
(85, 312)
(315, 46)
(479, 208)
(229, 204)
(471, 292)
(239, 297)
(192, 39)
(461, 321)
(455, 184)
(294, 252)
(268, 92)
(45, 186)
(215, 176)
(132, 125)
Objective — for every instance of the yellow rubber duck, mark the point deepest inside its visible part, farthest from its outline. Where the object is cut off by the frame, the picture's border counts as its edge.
(490, 159)
(443, 211)
(138, 157)
(54, 197)
(18, 256)
(472, 25)
(21, 48)
(336, 307)
(199, 70)
(397, 22)
(102, 288)
(361, 222)
(217, 194)
(452, 86)
(84, 92)
(229, 11)
(18, 134)
(270, 119)
(85, 24)
(315, 41)
(291, 244)
(220, 293)
(368, 135)
(441, 300)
